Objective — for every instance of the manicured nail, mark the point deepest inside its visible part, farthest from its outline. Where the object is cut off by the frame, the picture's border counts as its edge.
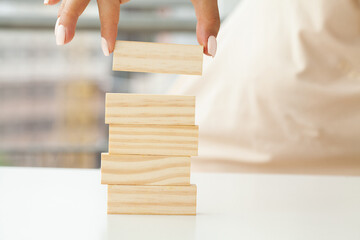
(105, 47)
(46, 2)
(212, 45)
(60, 35)
(56, 25)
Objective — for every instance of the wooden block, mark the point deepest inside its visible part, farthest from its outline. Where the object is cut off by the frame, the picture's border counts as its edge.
(158, 58)
(149, 109)
(144, 170)
(153, 140)
(168, 200)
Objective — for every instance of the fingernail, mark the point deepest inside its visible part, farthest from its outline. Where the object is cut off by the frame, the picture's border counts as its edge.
(46, 2)
(60, 35)
(105, 47)
(212, 45)
(56, 25)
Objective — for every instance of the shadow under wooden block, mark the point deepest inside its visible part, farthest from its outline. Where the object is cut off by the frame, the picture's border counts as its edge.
(158, 57)
(149, 109)
(145, 170)
(165, 200)
(153, 140)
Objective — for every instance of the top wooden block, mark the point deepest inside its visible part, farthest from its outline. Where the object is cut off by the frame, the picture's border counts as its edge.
(122, 108)
(158, 58)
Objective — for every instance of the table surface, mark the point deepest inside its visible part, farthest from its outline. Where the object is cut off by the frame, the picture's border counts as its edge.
(71, 204)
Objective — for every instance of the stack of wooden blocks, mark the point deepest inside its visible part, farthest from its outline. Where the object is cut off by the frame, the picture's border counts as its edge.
(151, 137)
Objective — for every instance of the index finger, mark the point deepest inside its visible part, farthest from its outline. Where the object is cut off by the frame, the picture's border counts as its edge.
(207, 14)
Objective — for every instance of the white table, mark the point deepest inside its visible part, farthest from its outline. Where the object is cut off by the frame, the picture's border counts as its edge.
(71, 204)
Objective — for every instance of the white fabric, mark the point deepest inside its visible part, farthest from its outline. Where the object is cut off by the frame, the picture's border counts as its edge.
(284, 85)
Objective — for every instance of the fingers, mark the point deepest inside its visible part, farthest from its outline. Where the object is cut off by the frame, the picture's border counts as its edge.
(109, 18)
(207, 14)
(68, 15)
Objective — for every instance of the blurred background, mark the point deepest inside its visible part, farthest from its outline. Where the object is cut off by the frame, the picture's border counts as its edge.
(52, 98)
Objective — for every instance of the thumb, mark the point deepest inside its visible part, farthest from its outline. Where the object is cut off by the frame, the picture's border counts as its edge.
(208, 24)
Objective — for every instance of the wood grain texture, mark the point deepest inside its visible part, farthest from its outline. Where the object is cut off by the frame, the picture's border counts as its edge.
(153, 140)
(144, 170)
(157, 58)
(165, 200)
(149, 109)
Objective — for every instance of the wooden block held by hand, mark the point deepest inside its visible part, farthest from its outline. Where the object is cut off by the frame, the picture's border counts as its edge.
(149, 109)
(153, 140)
(145, 170)
(157, 57)
(165, 200)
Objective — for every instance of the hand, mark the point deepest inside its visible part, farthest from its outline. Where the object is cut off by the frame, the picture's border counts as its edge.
(206, 12)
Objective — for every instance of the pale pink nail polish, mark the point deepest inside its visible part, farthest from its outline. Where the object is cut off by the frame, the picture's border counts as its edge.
(212, 46)
(60, 35)
(105, 47)
(56, 25)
